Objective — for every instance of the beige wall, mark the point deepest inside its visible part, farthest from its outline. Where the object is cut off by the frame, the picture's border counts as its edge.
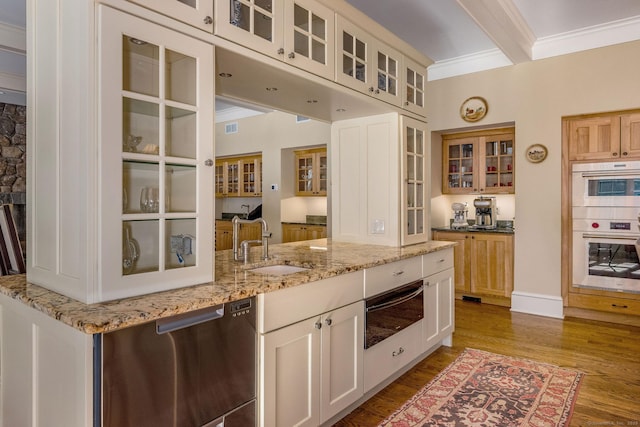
(535, 96)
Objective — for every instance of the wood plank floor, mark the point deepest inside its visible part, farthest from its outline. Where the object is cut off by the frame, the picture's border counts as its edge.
(609, 355)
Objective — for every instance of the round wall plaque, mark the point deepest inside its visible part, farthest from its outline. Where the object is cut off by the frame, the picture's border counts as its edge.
(536, 153)
(473, 109)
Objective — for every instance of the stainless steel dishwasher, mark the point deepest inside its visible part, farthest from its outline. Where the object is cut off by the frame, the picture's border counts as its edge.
(196, 369)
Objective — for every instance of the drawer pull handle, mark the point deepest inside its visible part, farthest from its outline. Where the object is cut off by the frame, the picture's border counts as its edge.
(398, 353)
(398, 273)
(441, 260)
(619, 306)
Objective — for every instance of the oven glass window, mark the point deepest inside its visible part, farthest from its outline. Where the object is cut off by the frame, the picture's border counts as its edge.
(614, 260)
(607, 187)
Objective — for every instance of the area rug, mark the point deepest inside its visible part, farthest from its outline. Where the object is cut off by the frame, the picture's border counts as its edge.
(487, 389)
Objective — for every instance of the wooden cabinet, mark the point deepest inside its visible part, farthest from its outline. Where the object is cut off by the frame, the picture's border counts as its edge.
(300, 232)
(483, 264)
(312, 369)
(368, 65)
(479, 162)
(311, 172)
(196, 13)
(414, 182)
(299, 32)
(606, 137)
(238, 176)
(224, 234)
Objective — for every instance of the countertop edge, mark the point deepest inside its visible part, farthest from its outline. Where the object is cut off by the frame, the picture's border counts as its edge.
(233, 282)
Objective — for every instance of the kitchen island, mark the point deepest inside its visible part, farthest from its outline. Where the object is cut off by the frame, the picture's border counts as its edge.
(49, 339)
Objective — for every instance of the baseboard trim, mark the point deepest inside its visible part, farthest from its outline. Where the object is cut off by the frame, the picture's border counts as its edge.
(538, 304)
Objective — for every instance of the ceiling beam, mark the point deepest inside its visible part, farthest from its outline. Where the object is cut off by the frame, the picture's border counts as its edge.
(13, 39)
(502, 22)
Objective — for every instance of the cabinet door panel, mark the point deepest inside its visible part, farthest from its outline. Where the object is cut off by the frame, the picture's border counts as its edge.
(492, 268)
(342, 350)
(594, 138)
(630, 136)
(415, 179)
(192, 12)
(291, 375)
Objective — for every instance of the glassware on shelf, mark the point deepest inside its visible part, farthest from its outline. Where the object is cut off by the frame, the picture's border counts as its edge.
(130, 251)
(132, 142)
(150, 200)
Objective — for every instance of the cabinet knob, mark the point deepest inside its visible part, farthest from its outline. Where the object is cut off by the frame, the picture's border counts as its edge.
(281, 51)
(208, 162)
(328, 322)
(624, 153)
(406, 103)
(398, 353)
(291, 55)
(318, 325)
(615, 154)
(371, 89)
(208, 20)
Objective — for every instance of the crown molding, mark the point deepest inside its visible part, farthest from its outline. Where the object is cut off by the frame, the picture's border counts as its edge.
(467, 64)
(13, 39)
(621, 31)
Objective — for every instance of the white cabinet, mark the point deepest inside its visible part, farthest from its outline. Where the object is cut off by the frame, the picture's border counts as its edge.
(198, 13)
(372, 173)
(414, 87)
(311, 370)
(366, 64)
(414, 182)
(299, 32)
(125, 207)
(439, 297)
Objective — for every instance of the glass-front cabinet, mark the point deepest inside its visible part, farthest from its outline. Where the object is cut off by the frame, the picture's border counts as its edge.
(198, 13)
(299, 32)
(479, 162)
(415, 178)
(238, 176)
(414, 87)
(156, 152)
(311, 172)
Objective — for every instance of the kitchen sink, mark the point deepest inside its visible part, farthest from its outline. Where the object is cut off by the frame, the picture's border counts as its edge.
(278, 270)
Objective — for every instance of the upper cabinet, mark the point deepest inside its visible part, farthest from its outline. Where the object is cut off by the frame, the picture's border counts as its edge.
(414, 86)
(238, 176)
(479, 162)
(300, 32)
(198, 13)
(311, 172)
(415, 179)
(608, 137)
(366, 64)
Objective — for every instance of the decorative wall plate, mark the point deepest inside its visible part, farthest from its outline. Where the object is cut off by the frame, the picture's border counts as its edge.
(536, 153)
(473, 109)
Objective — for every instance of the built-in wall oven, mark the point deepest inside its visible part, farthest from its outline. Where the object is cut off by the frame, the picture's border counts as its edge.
(606, 226)
(393, 311)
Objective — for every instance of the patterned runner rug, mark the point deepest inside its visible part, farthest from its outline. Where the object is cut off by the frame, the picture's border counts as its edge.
(487, 389)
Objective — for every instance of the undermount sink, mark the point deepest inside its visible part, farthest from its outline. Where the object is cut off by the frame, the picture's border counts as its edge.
(278, 270)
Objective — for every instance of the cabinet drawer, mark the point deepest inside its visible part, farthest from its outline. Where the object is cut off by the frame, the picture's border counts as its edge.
(286, 306)
(386, 277)
(390, 355)
(602, 303)
(436, 262)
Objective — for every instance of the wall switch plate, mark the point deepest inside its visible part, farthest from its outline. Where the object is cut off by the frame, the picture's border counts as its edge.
(274, 187)
(378, 226)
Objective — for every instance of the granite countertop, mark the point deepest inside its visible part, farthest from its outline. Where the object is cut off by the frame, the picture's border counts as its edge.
(500, 230)
(324, 257)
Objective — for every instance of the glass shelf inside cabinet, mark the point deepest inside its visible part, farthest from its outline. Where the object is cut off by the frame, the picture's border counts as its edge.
(140, 66)
(140, 124)
(140, 187)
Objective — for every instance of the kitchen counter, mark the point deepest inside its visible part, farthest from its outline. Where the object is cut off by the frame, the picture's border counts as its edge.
(500, 230)
(324, 257)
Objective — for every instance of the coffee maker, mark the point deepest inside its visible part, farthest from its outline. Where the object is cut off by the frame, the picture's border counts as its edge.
(485, 212)
(459, 215)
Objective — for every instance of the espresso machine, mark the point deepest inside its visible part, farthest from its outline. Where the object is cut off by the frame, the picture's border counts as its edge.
(459, 215)
(485, 212)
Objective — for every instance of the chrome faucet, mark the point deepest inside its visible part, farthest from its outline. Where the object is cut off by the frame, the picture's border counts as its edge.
(244, 245)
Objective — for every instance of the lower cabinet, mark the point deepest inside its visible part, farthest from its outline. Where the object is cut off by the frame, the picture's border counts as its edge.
(299, 232)
(483, 264)
(438, 307)
(313, 369)
(224, 234)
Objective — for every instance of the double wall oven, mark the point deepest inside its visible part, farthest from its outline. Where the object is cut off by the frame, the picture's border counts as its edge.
(606, 226)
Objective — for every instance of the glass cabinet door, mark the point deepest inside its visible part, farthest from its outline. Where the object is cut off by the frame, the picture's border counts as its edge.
(415, 173)
(157, 132)
(459, 166)
(198, 13)
(414, 87)
(498, 163)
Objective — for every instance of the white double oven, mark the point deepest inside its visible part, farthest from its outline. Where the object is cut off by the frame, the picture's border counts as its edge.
(606, 226)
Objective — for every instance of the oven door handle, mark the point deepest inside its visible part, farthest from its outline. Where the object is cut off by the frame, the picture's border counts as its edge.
(608, 236)
(395, 301)
(609, 173)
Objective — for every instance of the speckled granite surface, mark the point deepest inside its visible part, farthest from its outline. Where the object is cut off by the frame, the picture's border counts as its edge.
(232, 282)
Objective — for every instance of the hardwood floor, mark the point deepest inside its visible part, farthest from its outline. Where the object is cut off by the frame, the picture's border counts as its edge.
(609, 355)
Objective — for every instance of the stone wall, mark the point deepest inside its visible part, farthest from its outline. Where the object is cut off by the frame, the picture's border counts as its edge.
(13, 166)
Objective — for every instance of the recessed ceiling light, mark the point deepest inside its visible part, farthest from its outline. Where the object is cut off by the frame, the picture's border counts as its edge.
(137, 41)
(312, 101)
(341, 110)
(225, 75)
(272, 89)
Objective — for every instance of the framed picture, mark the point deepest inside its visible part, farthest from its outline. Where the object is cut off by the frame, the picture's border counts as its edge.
(473, 109)
(536, 153)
